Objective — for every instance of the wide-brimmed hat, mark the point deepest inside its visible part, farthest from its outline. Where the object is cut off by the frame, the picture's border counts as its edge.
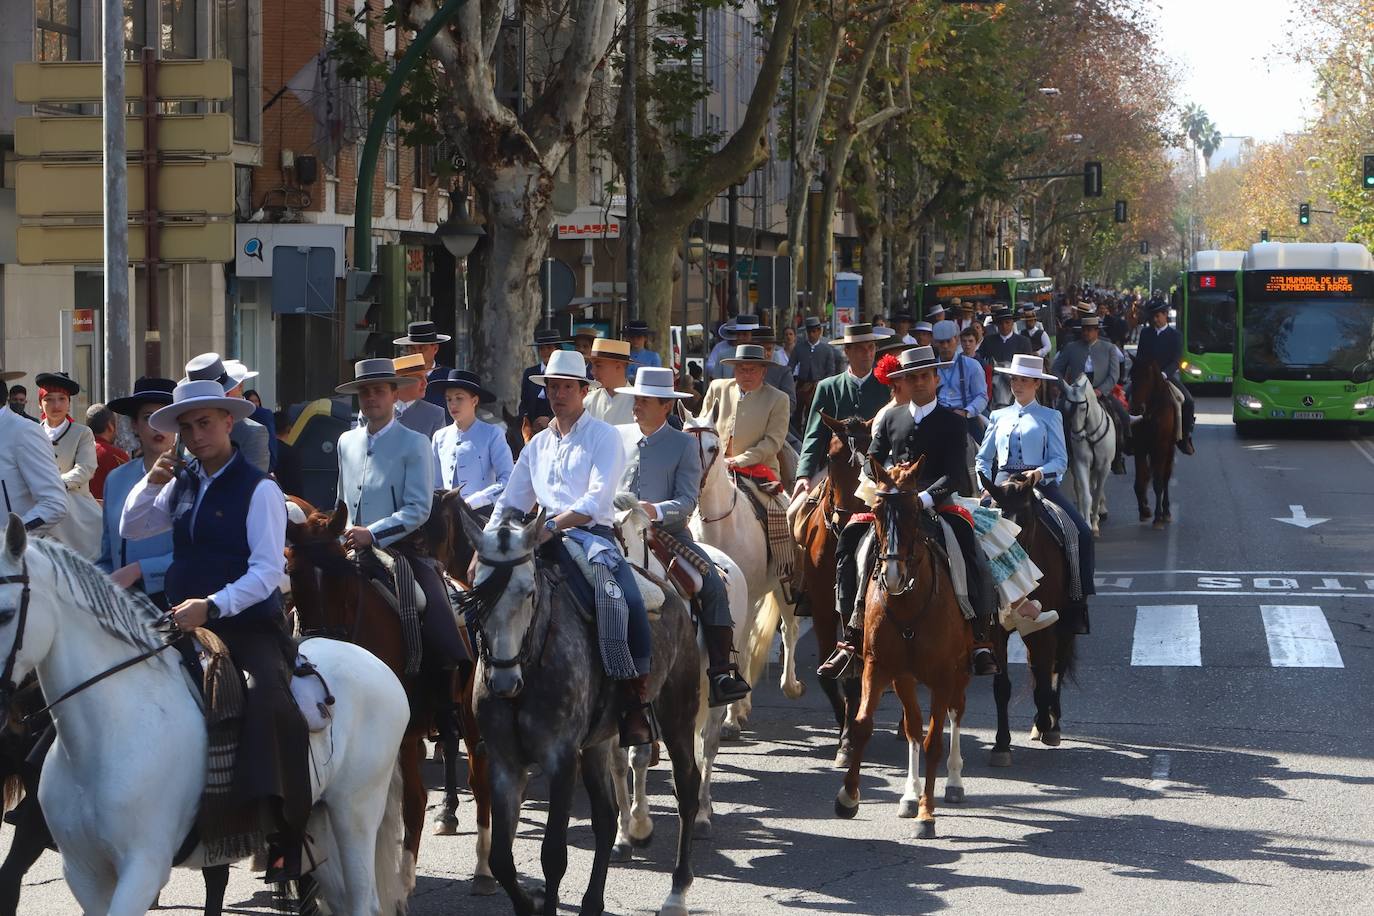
(9, 375)
(859, 332)
(739, 323)
(746, 353)
(945, 330)
(654, 382)
(903, 316)
(410, 363)
(1029, 311)
(1090, 321)
(586, 331)
(239, 372)
(230, 373)
(936, 313)
(914, 359)
(1003, 313)
(611, 348)
(468, 381)
(1159, 306)
(58, 381)
(366, 371)
(147, 390)
(891, 343)
(421, 332)
(925, 326)
(547, 337)
(564, 364)
(811, 321)
(198, 394)
(1026, 365)
(636, 326)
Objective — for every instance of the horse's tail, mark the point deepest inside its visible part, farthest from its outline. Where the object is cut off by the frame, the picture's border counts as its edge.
(1066, 656)
(766, 621)
(395, 878)
(13, 792)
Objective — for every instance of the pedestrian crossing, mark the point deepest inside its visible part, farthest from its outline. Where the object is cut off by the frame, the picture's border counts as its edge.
(1171, 635)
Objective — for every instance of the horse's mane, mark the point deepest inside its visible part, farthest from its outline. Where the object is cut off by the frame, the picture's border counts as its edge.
(126, 615)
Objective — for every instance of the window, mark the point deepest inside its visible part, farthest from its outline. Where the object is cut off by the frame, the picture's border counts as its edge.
(135, 28)
(393, 161)
(417, 174)
(178, 24)
(231, 43)
(57, 30)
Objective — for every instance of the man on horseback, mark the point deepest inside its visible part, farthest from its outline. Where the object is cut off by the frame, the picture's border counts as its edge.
(1161, 343)
(922, 429)
(854, 393)
(228, 523)
(664, 475)
(571, 469)
(999, 347)
(814, 359)
(1031, 330)
(1099, 359)
(534, 405)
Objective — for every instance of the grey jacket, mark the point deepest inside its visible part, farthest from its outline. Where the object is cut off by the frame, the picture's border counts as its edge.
(811, 364)
(389, 486)
(1069, 364)
(780, 377)
(251, 438)
(665, 469)
(424, 417)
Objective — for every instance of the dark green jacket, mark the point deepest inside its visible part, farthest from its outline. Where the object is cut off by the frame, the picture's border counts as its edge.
(840, 396)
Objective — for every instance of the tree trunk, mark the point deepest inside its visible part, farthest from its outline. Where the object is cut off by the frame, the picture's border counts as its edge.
(868, 219)
(660, 239)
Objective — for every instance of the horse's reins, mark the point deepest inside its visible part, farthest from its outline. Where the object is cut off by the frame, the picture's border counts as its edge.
(697, 432)
(1092, 439)
(907, 630)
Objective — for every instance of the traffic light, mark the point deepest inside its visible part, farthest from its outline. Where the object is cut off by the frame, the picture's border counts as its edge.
(1145, 246)
(362, 313)
(1119, 211)
(1092, 179)
(1304, 214)
(1264, 235)
(1369, 171)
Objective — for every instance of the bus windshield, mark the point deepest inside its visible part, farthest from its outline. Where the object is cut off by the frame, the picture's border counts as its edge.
(1300, 325)
(1211, 321)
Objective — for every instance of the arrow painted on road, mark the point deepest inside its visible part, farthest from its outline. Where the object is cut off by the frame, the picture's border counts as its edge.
(1299, 518)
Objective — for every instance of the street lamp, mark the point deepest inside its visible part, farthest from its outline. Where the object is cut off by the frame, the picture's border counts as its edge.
(459, 233)
(1049, 91)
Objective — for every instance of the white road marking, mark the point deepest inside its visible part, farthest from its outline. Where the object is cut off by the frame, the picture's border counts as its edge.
(1016, 650)
(1159, 772)
(1299, 637)
(1364, 449)
(1298, 518)
(1167, 635)
(1229, 572)
(1193, 593)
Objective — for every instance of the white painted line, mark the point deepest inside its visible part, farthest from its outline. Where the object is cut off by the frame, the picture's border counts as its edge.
(1298, 518)
(1299, 637)
(1016, 650)
(1364, 450)
(1230, 572)
(1167, 635)
(1191, 593)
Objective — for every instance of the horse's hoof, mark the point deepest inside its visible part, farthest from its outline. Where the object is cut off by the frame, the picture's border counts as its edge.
(445, 825)
(483, 886)
(730, 731)
(1051, 737)
(701, 830)
(1146, 516)
(842, 759)
(954, 795)
(846, 807)
(908, 807)
(926, 830)
(1158, 525)
(999, 759)
(676, 909)
(794, 692)
(1166, 518)
(643, 842)
(621, 852)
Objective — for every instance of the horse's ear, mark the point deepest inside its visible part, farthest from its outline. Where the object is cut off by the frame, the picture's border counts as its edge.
(836, 426)
(997, 492)
(880, 475)
(338, 519)
(469, 520)
(532, 529)
(16, 538)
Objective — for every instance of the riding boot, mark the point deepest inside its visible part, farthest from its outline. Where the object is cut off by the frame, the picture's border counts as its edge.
(846, 656)
(637, 724)
(722, 675)
(984, 663)
(1123, 445)
(283, 857)
(1185, 445)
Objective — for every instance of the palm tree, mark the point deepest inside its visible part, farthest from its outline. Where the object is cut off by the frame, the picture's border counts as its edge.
(1210, 140)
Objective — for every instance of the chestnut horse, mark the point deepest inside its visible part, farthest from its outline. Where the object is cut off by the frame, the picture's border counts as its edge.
(817, 530)
(1049, 652)
(1153, 438)
(914, 633)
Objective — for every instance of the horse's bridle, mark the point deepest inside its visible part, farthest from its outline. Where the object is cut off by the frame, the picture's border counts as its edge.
(1100, 433)
(697, 432)
(7, 684)
(482, 595)
(907, 630)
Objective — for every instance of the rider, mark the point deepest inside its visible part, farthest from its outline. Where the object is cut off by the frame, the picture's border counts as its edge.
(1161, 343)
(228, 524)
(30, 486)
(533, 403)
(663, 474)
(610, 367)
(963, 383)
(474, 455)
(637, 332)
(1099, 359)
(1027, 438)
(923, 429)
(414, 409)
(814, 359)
(1039, 340)
(999, 347)
(853, 393)
(571, 469)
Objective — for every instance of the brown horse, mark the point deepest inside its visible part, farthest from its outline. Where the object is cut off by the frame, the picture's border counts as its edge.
(519, 431)
(914, 633)
(332, 596)
(1049, 652)
(817, 531)
(1154, 437)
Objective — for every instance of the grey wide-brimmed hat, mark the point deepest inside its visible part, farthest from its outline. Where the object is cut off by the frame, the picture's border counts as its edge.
(859, 332)
(739, 323)
(917, 358)
(1090, 321)
(747, 353)
(1025, 365)
(230, 373)
(367, 371)
(811, 321)
(198, 394)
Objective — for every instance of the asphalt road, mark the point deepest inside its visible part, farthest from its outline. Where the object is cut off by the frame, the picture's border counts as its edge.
(1216, 757)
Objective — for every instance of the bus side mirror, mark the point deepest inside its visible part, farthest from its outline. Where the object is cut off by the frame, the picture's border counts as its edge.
(1363, 373)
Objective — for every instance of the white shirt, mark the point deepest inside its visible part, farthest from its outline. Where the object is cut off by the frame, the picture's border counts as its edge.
(617, 410)
(148, 511)
(576, 472)
(55, 432)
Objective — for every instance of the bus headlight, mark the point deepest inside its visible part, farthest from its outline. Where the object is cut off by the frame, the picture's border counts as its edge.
(1249, 402)
(1363, 404)
(1194, 371)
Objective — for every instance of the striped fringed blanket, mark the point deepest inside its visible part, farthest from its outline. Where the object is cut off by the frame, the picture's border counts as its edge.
(228, 829)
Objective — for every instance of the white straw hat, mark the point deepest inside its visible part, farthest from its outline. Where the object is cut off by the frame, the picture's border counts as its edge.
(565, 364)
(654, 382)
(1025, 365)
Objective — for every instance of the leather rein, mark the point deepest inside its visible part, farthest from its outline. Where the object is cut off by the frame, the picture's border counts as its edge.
(697, 432)
(1092, 437)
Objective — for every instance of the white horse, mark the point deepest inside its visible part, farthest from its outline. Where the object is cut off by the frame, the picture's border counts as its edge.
(121, 785)
(724, 519)
(636, 829)
(1092, 448)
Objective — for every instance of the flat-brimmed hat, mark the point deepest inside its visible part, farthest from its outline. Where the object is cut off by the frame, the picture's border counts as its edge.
(9, 375)
(936, 313)
(739, 323)
(586, 331)
(1090, 321)
(654, 382)
(1159, 306)
(859, 332)
(547, 337)
(1025, 365)
(565, 364)
(421, 332)
(746, 353)
(238, 371)
(230, 373)
(467, 381)
(914, 359)
(923, 326)
(58, 381)
(198, 394)
(636, 326)
(903, 316)
(611, 348)
(367, 371)
(1028, 311)
(811, 321)
(945, 330)
(891, 343)
(411, 362)
(1003, 313)
(147, 390)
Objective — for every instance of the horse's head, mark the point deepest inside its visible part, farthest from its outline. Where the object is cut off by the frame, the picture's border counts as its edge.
(504, 588)
(317, 564)
(851, 440)
(1013, 497)
(632, 524)
(708, 444)
(24, 637)
(899, 507)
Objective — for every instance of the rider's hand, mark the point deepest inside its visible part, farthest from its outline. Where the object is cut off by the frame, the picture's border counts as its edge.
(127, 576)
(961, 412)
(357, 537)
(166, 468)
(650, 510)
(803, 486)
(191, 614)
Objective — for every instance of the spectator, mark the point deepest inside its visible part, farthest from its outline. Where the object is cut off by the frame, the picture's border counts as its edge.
(252, 395)
(290, 473)
(108, 456)
(19, 399)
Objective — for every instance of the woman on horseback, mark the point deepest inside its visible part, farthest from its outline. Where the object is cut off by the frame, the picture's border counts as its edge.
(473, 454)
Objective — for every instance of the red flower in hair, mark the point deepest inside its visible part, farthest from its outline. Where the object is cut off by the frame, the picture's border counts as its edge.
(889, 363)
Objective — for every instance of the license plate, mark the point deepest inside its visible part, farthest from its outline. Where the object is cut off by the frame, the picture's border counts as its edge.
(1228, 380)
(1308, 415)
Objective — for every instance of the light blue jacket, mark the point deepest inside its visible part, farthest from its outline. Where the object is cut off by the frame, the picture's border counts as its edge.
(645, 357)
(153, 554)
(964, 386)
(388, 488)
(665, 469)
(1037, 429)
(478, 460)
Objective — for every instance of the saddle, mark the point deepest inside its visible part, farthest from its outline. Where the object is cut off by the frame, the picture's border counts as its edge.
(686, 571)
(388, 572)
(772, 513)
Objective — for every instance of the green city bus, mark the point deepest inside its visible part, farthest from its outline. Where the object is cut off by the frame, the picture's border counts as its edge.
(1305, 334)
(1205, 315)
(1011, 287)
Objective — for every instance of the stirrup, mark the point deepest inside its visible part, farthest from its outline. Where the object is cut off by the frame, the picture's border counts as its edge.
(837, 666)
(725, 686)
(655, 733)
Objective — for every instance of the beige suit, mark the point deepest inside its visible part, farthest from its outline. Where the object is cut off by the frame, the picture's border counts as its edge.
(74, 452)
(754, 428)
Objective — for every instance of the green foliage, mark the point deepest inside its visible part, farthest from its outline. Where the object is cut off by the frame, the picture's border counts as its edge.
(422, 93)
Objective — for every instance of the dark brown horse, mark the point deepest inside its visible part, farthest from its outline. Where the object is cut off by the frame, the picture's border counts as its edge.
(519, 431)
(817, 531)
(332, 596)
(1049, 652)
(914, 633)
(1154, 438)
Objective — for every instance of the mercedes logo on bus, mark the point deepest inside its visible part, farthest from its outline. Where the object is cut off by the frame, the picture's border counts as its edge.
(1308, 400)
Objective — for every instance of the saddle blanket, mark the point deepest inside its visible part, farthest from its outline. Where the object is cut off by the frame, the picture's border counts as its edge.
(648, 590)
(771, 511)
(1065, 533)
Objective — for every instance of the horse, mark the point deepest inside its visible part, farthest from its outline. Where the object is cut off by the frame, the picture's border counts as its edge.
(1050, 651)
(543, 699)
(1092, 449)
(519, 431)
(817, 531)
(1154, 436)
(64, 619)
(636, 829)
(721, 522)
(914, 633)
(333, 596)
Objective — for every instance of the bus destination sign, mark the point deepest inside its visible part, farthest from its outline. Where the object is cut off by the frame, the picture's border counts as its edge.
(1207, 281)
(971, 291)
(1309, 283)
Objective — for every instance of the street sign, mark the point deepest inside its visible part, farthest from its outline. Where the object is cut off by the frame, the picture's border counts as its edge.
(48, 189)
(183, 135)
(64, 82)
(178, 243)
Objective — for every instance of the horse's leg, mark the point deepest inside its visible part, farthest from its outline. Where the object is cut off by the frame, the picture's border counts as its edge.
(935, 740)
(847, 801)
(735, 714)
(216, 879)
(1001, 694)
(507, 791)
(1142, 477)
(792, 688)
(623, 849)
(1160, 480)
(641, 824)
(1040, 654)
(413, 798)
(1166, 471)
(597, 773)
(905, 688)
(138, 885)
(954, 770)
(479, 783)
(30, 839)
(681, 746)
(853, 692)
(710, 747)
(553, 855)
(446, 820)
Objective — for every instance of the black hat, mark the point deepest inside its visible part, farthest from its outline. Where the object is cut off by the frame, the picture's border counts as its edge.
(548, 337)
(903, 316)
(468, 381)
(1159, 306)
(146, 391)
(1003, 313)
(58, 381)
(421, 332)
(636, 326)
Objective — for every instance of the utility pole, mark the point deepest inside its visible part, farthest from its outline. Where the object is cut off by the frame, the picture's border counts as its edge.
(732, 256)
(118, 375)
(632, 162)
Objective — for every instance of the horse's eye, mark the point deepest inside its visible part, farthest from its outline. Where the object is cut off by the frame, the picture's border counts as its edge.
(6, 616)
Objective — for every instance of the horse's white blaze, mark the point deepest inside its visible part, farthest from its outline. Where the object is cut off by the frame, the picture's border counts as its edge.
(955, 776)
